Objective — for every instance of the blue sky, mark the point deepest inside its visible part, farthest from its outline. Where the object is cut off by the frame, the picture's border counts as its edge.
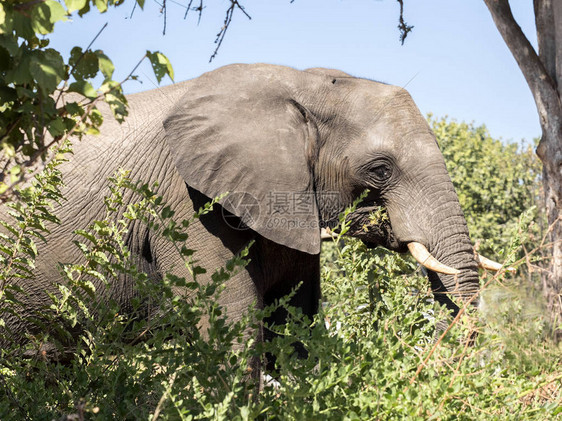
(453, 63)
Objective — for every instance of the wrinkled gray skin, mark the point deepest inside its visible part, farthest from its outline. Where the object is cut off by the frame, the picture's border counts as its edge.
(272, 132)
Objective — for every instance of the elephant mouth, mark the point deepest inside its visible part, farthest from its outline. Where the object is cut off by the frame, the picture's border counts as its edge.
(371, 224)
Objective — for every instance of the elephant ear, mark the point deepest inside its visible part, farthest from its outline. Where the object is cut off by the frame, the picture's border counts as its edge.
(238, 131)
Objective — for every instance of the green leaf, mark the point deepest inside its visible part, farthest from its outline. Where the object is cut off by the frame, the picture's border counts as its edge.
(3, 19)
(160, 65)
(22, 25)
(84, 64)
(198, 270)
(44, 15)
(167, 212)
(96, 117)
(186, 252)
(75, 54)
(115, 99)
(10, 44)
(141, 3)
(118, 106)
(105, 64)
(83, 87)
(101, 5)
(56, 127)
(73, 5)
(47, 68)
(93, 131)
(73, 108)
(20, 75)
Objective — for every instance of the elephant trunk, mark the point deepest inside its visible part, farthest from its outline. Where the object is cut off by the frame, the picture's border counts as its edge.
(435, 220)
(454, 248)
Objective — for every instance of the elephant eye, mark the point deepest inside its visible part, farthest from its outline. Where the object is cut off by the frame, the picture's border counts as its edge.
(382, 172)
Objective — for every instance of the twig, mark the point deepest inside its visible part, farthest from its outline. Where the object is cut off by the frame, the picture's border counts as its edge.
(227, 20)
(164, 10)
(455, 321)
(200, 9)
(404, 28)
(188, 8)
(474, 407)
(133, 11)
(464, 308)
(164, 396)
(131, 72)
(89, 46)
(539, 386)
(455, 374)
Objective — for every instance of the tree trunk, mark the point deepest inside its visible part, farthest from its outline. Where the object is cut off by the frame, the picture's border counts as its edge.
(543, 73)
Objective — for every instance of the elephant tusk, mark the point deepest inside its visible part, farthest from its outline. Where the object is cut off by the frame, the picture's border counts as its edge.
(424, 258)
(327, 234)
(485, 263)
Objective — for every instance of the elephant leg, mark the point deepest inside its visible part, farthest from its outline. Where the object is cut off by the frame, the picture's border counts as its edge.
(216, 238)
(285, 270)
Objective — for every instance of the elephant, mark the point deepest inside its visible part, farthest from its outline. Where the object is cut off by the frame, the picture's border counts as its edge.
(293, 149)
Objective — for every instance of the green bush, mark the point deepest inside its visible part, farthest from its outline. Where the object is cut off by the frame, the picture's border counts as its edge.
(498, 183)
(372, 350)
(495, 181)
(128, 367)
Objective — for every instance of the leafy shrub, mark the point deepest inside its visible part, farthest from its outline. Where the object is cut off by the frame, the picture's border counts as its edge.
(129, 367)
(372, 350)
(379, 357)
(498, 183)
(495, 181)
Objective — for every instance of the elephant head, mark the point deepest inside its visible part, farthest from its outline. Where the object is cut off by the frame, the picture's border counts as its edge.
(294, 148)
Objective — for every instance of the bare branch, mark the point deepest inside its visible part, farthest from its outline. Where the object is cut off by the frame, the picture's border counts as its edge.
(198, 9)
(133, 11)
(227, 20)
(403, 27)
(164, 10)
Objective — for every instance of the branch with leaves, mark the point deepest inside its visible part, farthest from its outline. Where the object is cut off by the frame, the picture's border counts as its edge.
(37, 109)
